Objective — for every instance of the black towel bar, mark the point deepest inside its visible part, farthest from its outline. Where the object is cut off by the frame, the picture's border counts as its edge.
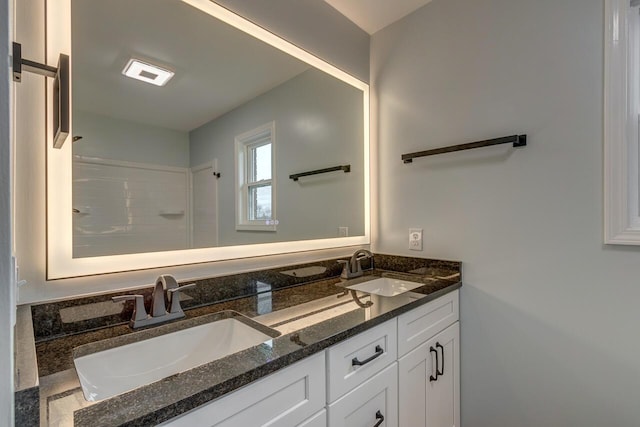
(517, 140)
(345, 168)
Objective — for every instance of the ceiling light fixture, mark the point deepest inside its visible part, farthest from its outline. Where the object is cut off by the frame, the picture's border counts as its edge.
(146, 72)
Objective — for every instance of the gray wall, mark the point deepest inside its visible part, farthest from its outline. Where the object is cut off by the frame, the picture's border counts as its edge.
(7, 303)
(316, 119)
(549, 315)
(111, 138)
(314, 26)
(30, 193)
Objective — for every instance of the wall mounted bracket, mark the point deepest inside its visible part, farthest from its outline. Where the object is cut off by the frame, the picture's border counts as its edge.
(60, 74)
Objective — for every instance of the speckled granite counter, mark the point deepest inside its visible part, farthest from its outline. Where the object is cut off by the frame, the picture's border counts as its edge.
(337, 319)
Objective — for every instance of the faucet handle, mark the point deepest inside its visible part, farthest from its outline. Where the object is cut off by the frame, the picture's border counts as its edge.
(139, 312)
(346, 272)
(175, 297)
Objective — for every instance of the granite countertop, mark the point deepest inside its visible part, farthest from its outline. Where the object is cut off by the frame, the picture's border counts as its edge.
(311, 316)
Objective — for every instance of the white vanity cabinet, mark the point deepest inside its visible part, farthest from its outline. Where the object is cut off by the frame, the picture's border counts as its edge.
(372, 403)
(317, 420)
(362, 376)
(403, 372)
(429, 374)
(429, 381)
(357, 359)
(289, 397)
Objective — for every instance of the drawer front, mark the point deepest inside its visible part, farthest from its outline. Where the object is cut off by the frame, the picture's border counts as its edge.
(285, 398)
(375, 401)
(417, 326)
(354, 361)
(318, 420)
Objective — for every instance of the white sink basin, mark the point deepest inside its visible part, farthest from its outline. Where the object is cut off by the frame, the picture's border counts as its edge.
(111, 372)
(385, 286)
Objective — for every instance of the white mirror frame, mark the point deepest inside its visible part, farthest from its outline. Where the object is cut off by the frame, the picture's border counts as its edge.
(621, 180)
(60, 261)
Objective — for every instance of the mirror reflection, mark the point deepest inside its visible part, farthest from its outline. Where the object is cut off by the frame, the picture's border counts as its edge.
(186, 131)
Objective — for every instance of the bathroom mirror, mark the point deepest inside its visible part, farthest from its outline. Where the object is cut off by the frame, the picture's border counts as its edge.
(188, 123)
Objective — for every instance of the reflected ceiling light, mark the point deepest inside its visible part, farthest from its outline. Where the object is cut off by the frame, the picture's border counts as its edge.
(146, 72)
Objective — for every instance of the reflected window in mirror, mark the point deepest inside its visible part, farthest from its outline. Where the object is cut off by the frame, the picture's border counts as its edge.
(255, 183)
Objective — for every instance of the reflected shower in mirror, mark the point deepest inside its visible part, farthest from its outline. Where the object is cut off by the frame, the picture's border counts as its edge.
(186, 131)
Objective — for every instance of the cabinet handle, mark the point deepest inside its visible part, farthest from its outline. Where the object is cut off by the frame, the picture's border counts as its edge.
(380, 419)
(379, 352)
(441, 372)
(432, 378)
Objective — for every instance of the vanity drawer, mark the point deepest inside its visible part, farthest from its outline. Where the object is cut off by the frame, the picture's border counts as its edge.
(352, 362)
(418, 325)
(375, 402)
(318, 420)
(287, 398)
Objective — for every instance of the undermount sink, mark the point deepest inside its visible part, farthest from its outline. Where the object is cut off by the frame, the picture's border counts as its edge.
(110, 372)
(385, 286)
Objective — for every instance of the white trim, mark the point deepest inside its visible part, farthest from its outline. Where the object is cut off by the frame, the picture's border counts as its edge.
(60, 261)
(243, 143)
(128, 164)
(7, 273)
(620, 129)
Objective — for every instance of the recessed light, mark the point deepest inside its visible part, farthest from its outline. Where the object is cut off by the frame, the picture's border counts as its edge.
(146, 72)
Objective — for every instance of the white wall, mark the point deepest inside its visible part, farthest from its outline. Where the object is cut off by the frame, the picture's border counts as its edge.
(549, 315)
(316, 120)
(111, 138)
(128, 221)
(129, 208)
(7, 304)
(30, 166)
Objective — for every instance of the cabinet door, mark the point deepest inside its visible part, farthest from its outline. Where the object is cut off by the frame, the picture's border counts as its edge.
(429, 393)
(372, 403)
(420, 324)
(284, 399)
(318, 420)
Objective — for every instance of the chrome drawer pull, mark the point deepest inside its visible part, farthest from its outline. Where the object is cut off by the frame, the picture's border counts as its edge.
(356, 362)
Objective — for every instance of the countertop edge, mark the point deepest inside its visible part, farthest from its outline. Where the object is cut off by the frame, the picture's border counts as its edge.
(26, 363)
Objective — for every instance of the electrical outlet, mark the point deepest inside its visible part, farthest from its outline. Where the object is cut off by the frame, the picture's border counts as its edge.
(415, 239)
(343, 231)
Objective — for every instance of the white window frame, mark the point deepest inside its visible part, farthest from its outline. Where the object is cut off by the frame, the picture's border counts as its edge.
(621, 115)
(243, 143)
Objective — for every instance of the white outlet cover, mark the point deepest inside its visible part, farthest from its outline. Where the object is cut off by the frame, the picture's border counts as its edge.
(415, 239)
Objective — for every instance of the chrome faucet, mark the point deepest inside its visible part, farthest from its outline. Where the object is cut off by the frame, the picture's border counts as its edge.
(352, 268)
(159, 313)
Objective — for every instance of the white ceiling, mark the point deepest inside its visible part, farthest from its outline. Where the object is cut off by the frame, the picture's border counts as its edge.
(374, 15)
(217, 67)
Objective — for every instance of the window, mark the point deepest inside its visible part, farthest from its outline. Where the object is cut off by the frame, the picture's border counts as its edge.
(255, 180)
(622, 113)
